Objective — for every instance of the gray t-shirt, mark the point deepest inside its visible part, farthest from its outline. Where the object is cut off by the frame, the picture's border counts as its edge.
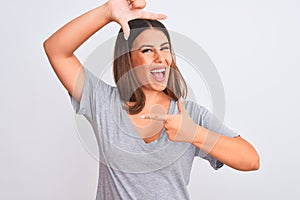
(129, 168)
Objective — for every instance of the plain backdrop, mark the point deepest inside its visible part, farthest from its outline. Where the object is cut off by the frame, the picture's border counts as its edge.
(255, 46)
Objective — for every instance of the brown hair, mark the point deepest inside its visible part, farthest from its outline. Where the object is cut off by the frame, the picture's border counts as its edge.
(127, 84)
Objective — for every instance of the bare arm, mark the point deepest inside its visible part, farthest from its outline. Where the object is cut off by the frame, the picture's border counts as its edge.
(234, 152)
(60, 46)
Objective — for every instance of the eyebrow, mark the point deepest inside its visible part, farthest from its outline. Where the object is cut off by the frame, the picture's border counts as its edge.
(147, 45)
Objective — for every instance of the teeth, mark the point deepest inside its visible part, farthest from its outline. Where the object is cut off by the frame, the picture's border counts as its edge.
(158, 70)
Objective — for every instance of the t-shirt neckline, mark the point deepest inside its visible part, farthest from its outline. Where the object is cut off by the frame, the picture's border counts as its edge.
(162, 137)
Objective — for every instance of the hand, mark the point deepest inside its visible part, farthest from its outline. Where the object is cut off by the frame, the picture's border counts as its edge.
(179, 127)
(122, 11)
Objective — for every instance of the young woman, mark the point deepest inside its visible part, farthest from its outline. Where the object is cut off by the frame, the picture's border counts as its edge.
(148, 135)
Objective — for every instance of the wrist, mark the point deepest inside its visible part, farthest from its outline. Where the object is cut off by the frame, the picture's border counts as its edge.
(107, 12)
(199, 137)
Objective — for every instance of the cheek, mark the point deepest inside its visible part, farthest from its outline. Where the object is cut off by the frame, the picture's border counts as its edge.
(169, 58)
(134, 59)
(138, 60)
(140, 73)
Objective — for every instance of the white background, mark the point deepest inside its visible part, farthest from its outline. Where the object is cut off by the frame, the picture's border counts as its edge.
(255, 46)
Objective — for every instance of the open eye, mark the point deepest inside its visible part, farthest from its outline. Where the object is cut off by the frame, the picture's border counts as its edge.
(148, 50)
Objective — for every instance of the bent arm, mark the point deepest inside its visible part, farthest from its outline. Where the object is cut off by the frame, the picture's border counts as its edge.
(235, 152)
(60, 47)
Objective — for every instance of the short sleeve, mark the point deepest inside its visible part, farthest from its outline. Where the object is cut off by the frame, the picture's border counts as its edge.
(212, 123)
(94, 94)
(209, 121)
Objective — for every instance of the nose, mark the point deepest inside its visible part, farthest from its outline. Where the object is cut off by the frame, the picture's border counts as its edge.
(158, 57)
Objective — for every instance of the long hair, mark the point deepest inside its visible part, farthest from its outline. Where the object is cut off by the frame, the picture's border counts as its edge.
(125, 79)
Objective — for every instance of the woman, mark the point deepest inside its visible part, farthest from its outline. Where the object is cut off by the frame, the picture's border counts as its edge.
(148, 135)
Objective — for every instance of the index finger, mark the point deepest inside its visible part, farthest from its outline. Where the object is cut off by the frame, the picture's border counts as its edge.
(153, 16)
(159, 117)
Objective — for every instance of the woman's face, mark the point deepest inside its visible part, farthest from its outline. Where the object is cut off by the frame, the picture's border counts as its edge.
(151, 59)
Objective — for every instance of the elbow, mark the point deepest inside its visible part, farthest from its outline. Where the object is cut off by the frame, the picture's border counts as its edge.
(51, 47)
(253, 163)
(46, 46)
(54, 49)
(249, 163)
(250, 158)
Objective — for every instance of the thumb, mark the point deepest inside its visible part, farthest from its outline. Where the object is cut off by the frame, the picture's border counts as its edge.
(125, 28)
(179, 106)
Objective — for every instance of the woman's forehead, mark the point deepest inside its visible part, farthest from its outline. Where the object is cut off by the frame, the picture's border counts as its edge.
(152, 37)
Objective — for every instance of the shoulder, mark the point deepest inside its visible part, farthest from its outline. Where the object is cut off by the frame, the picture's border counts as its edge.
(95, 80)
(97, 89)
(199, 113)
(193, 107)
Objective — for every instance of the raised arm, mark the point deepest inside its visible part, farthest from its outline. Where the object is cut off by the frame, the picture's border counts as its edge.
(60, 46)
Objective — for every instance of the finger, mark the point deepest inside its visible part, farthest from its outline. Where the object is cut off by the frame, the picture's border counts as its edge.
(158, 117)
(166, 129)
(168, 118)
(179, 106)
(125, 28)
(138, 4)
(154, 117)
(153, 16)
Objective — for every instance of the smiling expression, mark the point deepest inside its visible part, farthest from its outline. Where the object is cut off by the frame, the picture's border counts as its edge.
(151, 59)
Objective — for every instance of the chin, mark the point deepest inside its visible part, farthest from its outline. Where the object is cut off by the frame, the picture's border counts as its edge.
(159, 88)
(156, 87)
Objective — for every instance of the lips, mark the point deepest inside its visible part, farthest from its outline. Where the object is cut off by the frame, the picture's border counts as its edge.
(159, 74)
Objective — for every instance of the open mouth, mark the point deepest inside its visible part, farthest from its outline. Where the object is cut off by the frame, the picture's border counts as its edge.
(158, 74)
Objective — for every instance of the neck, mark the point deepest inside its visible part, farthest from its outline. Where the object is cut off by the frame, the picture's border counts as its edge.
(154, 97)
